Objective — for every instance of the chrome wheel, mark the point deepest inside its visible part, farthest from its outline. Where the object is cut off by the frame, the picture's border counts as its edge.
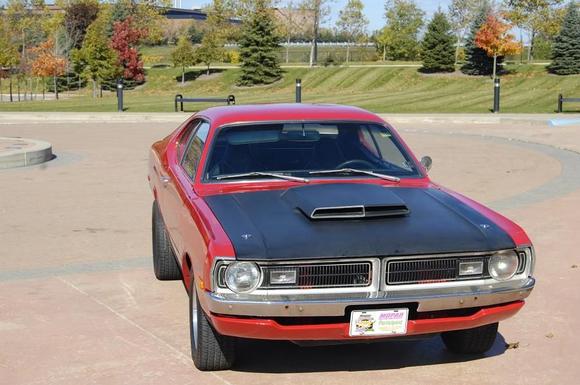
(194, 317)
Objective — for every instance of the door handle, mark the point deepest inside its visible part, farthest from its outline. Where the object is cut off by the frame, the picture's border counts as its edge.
(164, 180)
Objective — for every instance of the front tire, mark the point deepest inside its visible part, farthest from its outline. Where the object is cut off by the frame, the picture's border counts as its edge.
(164, 261)
(471, 341)
(209, 349)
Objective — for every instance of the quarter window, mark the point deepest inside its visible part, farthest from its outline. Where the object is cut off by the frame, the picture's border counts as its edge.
(194, 150)
(181, 144)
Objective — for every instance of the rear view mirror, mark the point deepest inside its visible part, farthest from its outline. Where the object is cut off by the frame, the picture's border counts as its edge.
(427, 162)
(300, 136)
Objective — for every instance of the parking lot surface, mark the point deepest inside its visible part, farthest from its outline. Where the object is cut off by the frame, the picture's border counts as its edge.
(79, 303)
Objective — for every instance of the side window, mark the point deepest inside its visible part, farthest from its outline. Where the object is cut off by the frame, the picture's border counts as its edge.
(194, 149)
(184, 138)
(388, 148)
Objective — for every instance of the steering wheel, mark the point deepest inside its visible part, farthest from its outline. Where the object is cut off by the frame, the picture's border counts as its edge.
(353, 162)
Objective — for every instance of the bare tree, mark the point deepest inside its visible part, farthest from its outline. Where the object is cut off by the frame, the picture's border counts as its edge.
(461, 14)
(319, 10)
(289, 24)
(352, 23)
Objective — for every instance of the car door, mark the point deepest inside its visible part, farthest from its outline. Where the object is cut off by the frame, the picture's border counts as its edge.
(184, 171)
(168, 197)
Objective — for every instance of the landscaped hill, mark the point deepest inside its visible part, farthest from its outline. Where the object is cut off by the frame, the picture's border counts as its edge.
(380, 89)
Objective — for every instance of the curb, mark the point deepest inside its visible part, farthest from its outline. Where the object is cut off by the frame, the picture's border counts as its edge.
(533, 119)
(24, 152)
(80, 117)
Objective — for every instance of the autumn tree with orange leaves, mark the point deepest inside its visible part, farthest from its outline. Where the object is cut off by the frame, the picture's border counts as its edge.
(47, 63)
(494, 38)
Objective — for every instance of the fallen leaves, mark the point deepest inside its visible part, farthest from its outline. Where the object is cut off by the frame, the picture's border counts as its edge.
(512, 345)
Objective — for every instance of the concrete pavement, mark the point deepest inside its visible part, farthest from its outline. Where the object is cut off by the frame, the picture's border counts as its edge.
(79, 302)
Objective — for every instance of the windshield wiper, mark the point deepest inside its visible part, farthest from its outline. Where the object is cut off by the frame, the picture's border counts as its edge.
(258, 173)
(357, 171)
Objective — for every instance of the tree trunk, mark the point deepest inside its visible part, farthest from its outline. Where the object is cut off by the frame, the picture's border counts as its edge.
(55, 87)
(522, 44)
(532, 41)
(94, 88)
(312, 53)
(18, 88)
(1, 95)
(457, 49)
(208, 69)
(347, 53)
(385, 53)
(43, 89)
(288, 50)
(183, 75)
(11, 97)
(530, 47)
(316, 27)
(494, 66)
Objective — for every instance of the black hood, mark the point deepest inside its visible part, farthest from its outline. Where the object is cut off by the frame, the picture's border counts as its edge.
(352, 220)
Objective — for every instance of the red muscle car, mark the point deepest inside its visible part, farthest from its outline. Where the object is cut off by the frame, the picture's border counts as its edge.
(316, 223)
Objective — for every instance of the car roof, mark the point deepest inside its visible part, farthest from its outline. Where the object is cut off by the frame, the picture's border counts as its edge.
(225, 115)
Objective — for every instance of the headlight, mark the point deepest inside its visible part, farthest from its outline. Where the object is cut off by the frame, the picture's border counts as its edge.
(243, 277)
(503, 265)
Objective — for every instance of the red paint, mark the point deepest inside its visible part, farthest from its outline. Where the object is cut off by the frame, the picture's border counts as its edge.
(271, 330)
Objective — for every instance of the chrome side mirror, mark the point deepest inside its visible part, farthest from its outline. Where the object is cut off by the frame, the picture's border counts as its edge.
(427, 162)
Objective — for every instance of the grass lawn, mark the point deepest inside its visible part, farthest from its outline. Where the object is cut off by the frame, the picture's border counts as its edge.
(529, 89)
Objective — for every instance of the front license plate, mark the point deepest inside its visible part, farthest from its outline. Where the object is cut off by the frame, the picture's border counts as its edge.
(378, 322)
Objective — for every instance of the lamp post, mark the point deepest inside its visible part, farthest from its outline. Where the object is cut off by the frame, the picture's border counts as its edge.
(298, 90)
(496, 94)
(120, 95)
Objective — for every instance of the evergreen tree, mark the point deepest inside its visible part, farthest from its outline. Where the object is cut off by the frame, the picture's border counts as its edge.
(96, 60)
(476, 60)
(566, 49)
(258, 46)
(438, 46)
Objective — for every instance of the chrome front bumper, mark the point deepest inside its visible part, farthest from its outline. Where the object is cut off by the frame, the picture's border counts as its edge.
(317, 305)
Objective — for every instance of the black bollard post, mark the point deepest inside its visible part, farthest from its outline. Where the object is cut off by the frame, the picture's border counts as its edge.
(298, 90)
(496, 89)
(120, 95)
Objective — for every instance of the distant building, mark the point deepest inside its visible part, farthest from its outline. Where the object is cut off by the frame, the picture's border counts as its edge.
(185, 14)
(176, 13)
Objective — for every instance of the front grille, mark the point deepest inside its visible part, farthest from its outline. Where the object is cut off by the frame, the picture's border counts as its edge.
(315, 276)
(323, 275)
(430, 270)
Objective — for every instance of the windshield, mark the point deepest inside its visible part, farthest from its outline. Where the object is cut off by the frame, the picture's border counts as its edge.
(305, 149)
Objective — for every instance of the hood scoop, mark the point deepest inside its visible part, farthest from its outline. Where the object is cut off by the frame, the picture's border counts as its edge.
(359, 212)
(346, 201)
